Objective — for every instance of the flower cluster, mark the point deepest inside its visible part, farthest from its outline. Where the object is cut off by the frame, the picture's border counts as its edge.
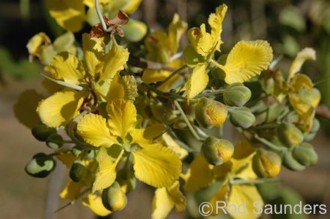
(112, 116)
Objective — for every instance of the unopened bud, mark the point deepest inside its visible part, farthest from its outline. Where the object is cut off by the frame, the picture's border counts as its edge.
(291, 163)
(289, 134)
(305, 154)
(236, 95)
(55, 141)
(242, 117)
(210, 113)
(40, 166)
(78, 171)
(41, 132)
(266, 163)
(217, 151)
(113, 198)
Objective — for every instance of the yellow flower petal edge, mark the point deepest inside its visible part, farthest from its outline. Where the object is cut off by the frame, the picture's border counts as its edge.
(94, 202)
(156, 165)
(198, 81)
(165, 199)
(302, 56)
(199, 175)
(68, 68)
(60, 108)
(71, 191)
(36, 43)
(94, 130)
(68, 14)
(246, 60)
(114, 61)
(106, 174)
(245, 194)
(122, 117)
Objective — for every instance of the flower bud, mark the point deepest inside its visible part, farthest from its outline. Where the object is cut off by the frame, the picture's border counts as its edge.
(236, 95)
(55, 141)
(40, 166)
(41, 132)
(242, 117)
(266, 163)
(305, 154)
(291, 163)
(78, 171)
(210, 113)
(217, 151)
(289, 134)
(113, 198)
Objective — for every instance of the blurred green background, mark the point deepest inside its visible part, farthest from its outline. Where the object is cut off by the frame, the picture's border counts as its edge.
(289, 26)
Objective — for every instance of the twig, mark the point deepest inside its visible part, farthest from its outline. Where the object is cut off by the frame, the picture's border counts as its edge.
(146, 64)
(323, 111)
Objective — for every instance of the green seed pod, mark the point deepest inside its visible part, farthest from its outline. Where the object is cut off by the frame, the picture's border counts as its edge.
(217, 151)
(127, 180)
(242, 117)
(289, 134)
(40, 166)
(55, 141)
(266, 163)
(210, 113)
(305, 154)
(41, 132)
(313, 131)
(291, 163)
(78, 171)
(113, 198)
(236, 95)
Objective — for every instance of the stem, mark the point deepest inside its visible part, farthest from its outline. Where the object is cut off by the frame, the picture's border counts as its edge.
(100, 16)
(208, 93)
(63, 83)
(256, 181)
(146, 64)
(172, 75)
(268, 144)
(192, 130)
(217, 64)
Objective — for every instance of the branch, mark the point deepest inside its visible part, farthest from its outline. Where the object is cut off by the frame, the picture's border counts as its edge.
(146, 64)
(323, 111)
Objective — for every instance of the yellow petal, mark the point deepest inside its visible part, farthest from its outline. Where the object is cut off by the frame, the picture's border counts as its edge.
(68, 68)
(172, 144)
(215, 22)
(25, 108)
(302, 56)
(122, 117)
(71, 191)
(67, 159)
(92, 54)
(94, 130)
(246, 60)
(156, 165)
(248, 197)
(60, 108)
(36, 43)
(94, 202)
(201, 41)
(220, 197)
(299, 82)
(114, 61)
(175, 31)
(68, 14)
(106, 173)
(199, 175)
(198, 81)
(131, 6)
(161, 204)
(165, 199)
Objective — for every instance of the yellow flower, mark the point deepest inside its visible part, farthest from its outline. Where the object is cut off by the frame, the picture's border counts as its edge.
(201, 174)
(246, 60)
(161, 47)
(154, 163)
(71, 15)
(93, 74)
